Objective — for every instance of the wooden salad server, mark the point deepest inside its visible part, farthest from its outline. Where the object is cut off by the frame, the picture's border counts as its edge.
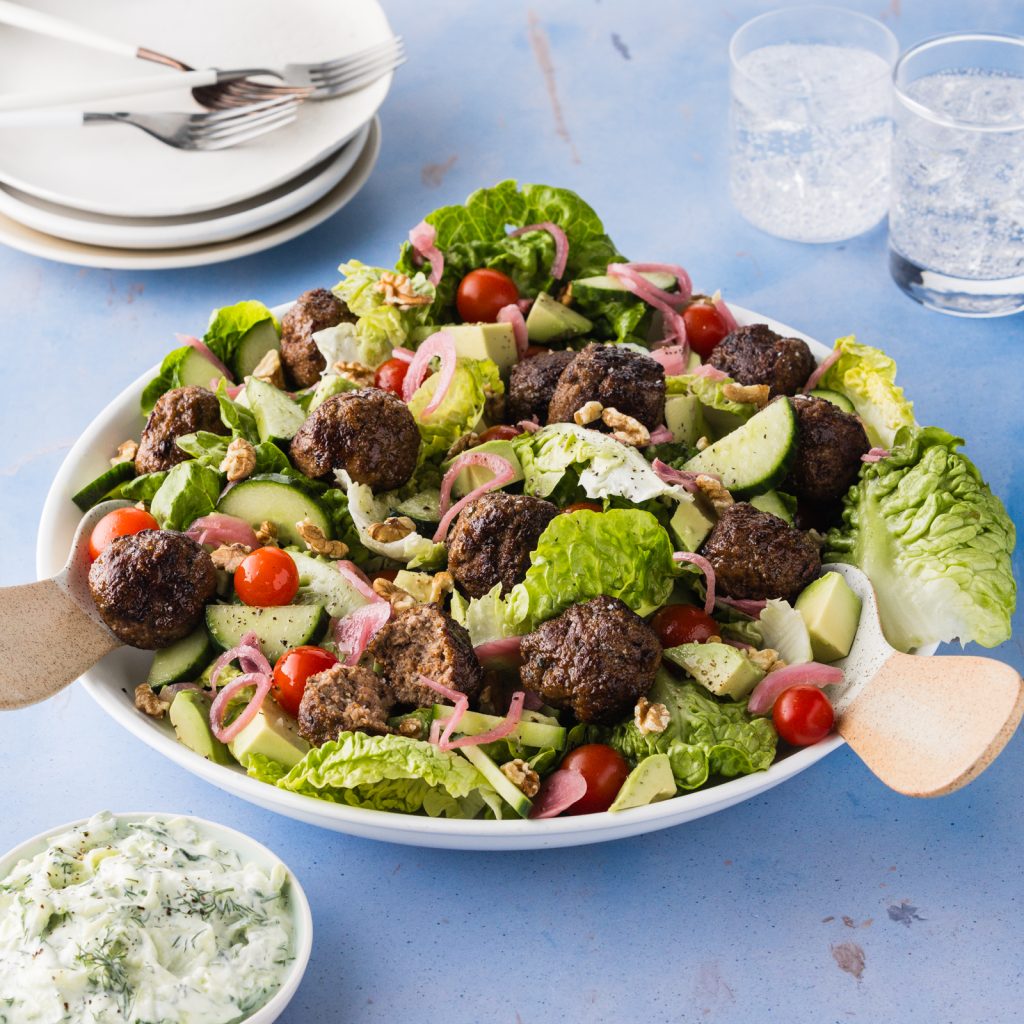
(50, 631)
(924, 725)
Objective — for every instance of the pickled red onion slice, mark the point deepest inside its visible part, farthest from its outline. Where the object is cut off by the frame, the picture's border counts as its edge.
(672, 358)
(665, 302)
(747, 606)
(506, 649)
(503, 474)
(354, 575)
(353, 634)
(499, 732)
(820, 370)
(724, 312)
(405, 354)
(679, 273)
(528, 426)
(511, 314)
(423, 238)
(709, 371)
(709, 575)
(875, 455)
(812, 673)
(250, 658)
(218, 528)
(661, 435)
(445, 691)
(442, 344)
(203, 350)
(558, 792)
(561, 244)
(262, 681)
(458, 698)
(675, 477)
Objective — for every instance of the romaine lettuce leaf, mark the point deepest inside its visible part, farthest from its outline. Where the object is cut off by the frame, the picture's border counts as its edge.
(230, 324)
(235, 416)
(167, 378)
(144, 487)
(209, 450)
(935, 542)
(867, 376)
(486, 618)
(720, 413)
(189, 491)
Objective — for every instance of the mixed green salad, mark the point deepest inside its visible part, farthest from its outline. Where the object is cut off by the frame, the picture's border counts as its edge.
(520, 528)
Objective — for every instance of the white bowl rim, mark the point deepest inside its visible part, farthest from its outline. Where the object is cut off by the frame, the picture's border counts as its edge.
(388, 825)
(241, 842)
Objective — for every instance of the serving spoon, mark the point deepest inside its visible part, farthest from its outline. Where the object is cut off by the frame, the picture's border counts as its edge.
(50, 631)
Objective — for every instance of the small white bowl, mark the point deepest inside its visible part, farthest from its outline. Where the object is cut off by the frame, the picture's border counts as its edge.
(252, 852)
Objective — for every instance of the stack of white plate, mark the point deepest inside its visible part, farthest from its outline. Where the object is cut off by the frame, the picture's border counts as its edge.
(111, 196)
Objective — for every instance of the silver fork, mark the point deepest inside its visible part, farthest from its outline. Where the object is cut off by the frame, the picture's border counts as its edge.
(210, 130)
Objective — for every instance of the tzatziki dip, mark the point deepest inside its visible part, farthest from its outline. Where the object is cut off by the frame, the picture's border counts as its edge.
(141, 921)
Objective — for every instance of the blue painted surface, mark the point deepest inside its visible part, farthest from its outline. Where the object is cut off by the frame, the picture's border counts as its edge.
(741, 917)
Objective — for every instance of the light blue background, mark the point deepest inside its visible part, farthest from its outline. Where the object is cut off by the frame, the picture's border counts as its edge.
(735, 918)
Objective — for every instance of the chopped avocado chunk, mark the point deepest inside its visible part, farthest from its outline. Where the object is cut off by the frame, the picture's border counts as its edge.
(496, 342)
(277, 417)
(550, 320)
(831, 611)
(419, 584)
(329, 385)
(475, 476)
(684, 418)
(722, 669)
(781, 505)
(190, 716)
(651, 780)
(691, 523)
(271, 733)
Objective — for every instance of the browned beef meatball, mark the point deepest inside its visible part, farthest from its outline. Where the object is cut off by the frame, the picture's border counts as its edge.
(424, 640)
(532, 383)
(829, 444)
(757, 355)
(492, 539)
(757, 555)
(596, 659)
(615, 376)
(370, 433)
(313, 311)
(344, 699)
(177, 412)
(151, 588)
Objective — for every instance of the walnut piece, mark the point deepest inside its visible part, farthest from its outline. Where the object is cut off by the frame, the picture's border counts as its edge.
(588, 413)
(767, 660)
(522, 776)
(360, 374)
(239, 461)
(702, 443)
(229, 556)
(411, 727)
(147, 701)
(625, 428)
(441, 584)
(714, 490)
(269, 369)
(267, 533)
(752, 394)
(393, 528)
(317, 542)
(399, 599)
(565, 296)
(650, 717)
(398, 290)
(126, 452)
(466, 441)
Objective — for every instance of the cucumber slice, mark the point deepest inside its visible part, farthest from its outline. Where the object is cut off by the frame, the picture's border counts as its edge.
(278, 629)
(183, 661)
(321, 583)
(274, 498)
(190, 716)
(834, 397)
(598, 287)
(257, 342)
(277, 416)
(512, 795)
(196, 369)
(781, 505)
(754, 457)
(530, 734)
(96, 490)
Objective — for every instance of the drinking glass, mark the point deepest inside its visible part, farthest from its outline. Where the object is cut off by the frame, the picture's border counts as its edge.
(811, 122)
(956, 224)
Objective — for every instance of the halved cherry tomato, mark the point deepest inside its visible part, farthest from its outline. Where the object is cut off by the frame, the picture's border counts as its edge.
(535, 350)
(499, 433)
(803, 715)
(603, 769)
(482, 293)
(292, 670)
(267, 578)
(705, 327)
(122, 522)
(584, 506)
(677, 624)
(390, 376)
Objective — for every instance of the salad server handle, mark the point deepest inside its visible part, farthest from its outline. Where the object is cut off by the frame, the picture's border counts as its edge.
(928, 726)
(47, 640)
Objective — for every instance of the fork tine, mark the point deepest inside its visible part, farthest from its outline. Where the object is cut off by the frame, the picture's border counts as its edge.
(362, 63)
(370, 51)
(356, 80)
(224, 116)
(227, 140)
(227, 130)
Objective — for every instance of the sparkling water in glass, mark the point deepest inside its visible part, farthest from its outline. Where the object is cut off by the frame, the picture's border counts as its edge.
(956, 224)
(811, 122)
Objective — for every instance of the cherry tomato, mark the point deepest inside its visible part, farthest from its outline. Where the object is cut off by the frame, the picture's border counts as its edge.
(482, 293)
(267, 578)
(499, 433)
(678, 624)
(122, 522)
(705, 327)
(584, 506)
(533, 351)
(292, 670)
(390, 376)
(803, 715)
(603, 769)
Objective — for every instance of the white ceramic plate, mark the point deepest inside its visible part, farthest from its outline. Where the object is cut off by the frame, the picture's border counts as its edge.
(112, 682)
(254, 853)
(193, 229)
(120, 171)
(36, 243)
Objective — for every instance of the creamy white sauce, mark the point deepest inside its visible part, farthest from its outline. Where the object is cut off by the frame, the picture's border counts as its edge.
(147, 922)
